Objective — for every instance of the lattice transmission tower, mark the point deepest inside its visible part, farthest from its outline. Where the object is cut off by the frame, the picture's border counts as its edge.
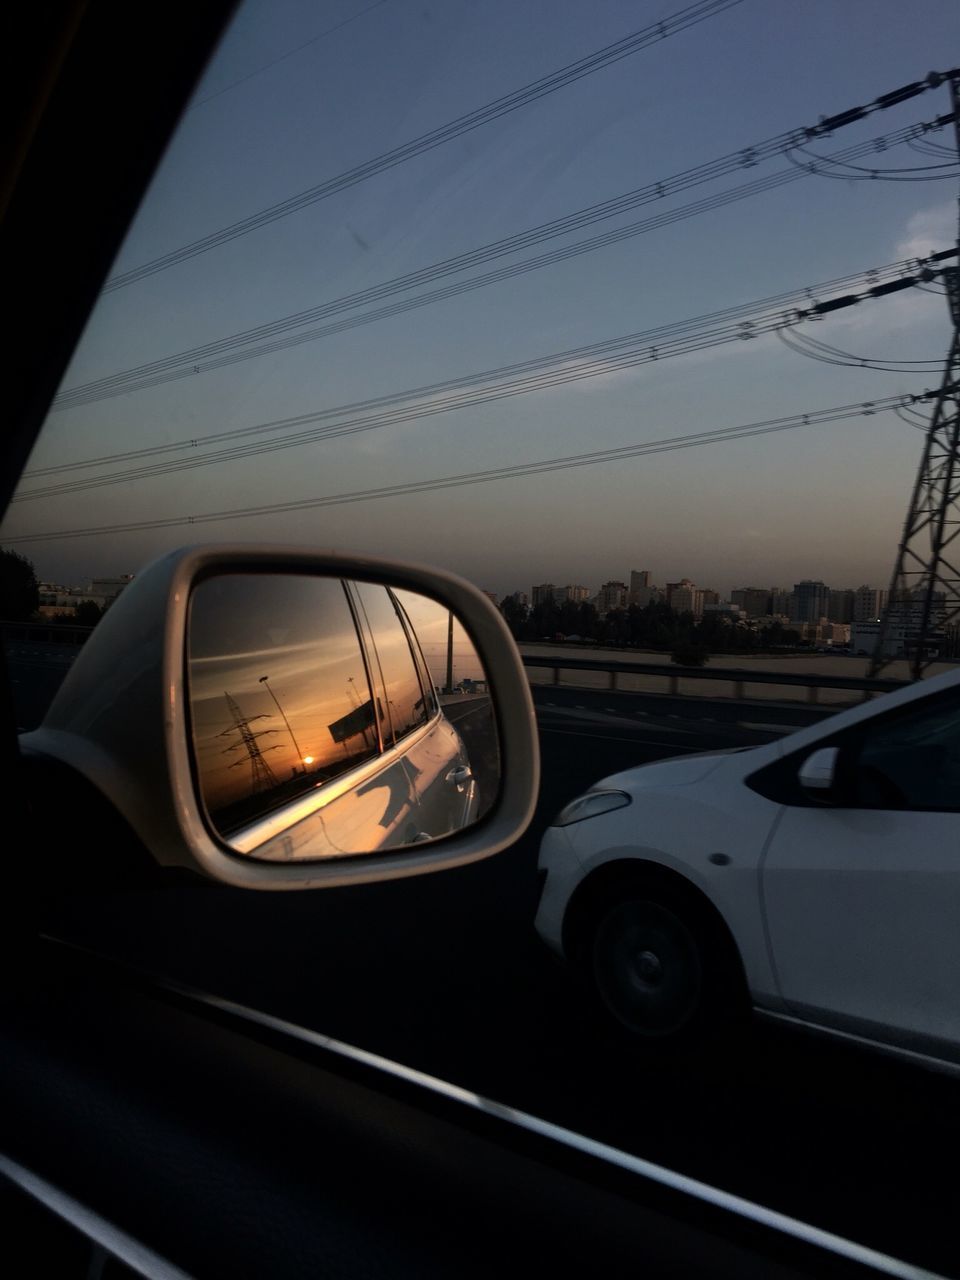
(921, 619)
(262, 777)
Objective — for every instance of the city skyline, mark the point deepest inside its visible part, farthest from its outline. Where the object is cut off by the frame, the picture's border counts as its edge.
(582, 591)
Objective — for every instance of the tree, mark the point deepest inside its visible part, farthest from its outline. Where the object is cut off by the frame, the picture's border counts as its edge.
(514, 615)
(19, 589)
(690, 654)
(88, 613)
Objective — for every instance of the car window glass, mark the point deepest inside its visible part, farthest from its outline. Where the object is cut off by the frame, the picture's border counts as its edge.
(407, 705)
(450, 656)
(278, 691)
(431, 705)
(913, 762)
(431, 281)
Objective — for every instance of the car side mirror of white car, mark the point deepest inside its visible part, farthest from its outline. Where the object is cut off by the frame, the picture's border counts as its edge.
(277, 718)
(818, 774)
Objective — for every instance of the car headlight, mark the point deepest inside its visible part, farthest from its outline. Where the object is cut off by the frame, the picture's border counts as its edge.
(590, 805)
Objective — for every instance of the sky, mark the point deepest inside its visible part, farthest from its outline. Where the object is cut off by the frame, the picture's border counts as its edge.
(301, 91)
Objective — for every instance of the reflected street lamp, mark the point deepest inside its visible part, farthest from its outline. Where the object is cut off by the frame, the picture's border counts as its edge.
(265, 681)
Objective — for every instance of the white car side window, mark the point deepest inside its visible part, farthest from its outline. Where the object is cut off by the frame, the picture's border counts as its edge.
(913, 762)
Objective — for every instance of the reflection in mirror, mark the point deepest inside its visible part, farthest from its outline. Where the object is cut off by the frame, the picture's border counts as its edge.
(333, 718)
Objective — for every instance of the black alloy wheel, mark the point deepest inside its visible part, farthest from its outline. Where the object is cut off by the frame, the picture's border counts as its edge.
(649, 970)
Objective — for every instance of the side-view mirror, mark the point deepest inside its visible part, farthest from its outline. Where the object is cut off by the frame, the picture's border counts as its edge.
(276, 718)
(818, 774)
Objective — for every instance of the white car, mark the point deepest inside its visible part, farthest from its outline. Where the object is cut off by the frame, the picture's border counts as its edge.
(816, 879)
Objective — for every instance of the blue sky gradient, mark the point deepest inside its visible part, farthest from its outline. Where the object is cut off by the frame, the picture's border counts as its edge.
(825, 502)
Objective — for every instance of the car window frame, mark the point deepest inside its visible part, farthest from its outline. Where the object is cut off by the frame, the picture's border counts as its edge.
(369, 636)
(271, 822)
(423, 668)
(780, 782)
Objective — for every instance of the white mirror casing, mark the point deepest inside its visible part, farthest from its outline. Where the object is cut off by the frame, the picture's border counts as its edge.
(818, 773)
(122, 719)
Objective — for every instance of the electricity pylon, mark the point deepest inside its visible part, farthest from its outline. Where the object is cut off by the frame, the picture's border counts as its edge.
(924, 600)
(262, 777)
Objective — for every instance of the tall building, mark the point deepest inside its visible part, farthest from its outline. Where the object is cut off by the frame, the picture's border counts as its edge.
(810, 600)
(577, 594)
(840, 605)
(612, 595)
(904, 630)
(109, 588)
(639, 581)
(781, 602)
(545, 593)
(754, 601)
(868, 603)
(685, 597)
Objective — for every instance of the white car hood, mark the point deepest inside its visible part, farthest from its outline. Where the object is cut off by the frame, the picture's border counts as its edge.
(677, 771)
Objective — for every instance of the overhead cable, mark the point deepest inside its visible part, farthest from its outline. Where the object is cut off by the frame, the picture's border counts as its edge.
(690, 16)
(808, 346)
(289, 53)
(866, 408)
(558, 368)
(266, 339)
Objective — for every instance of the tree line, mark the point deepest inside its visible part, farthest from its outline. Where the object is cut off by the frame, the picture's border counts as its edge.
(650, 626)
(20, 595)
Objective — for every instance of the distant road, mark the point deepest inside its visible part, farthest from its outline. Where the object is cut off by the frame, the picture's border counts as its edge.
(825, 664)
(36, 672)
(831, 666)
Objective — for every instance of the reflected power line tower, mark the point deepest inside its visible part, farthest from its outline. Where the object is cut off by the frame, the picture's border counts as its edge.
(923, 606)
(262, 777)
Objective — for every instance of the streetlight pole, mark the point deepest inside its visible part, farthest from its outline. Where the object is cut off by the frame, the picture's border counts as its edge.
(450, 653)
(265, 680)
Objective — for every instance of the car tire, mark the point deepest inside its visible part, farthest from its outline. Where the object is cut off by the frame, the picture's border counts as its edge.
(660, 973)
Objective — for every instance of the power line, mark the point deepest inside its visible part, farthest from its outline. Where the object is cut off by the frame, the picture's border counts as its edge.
(506, 381)
(824, 165)
(919, 424)
(682, 20)
(222, 352)
(217, 93)
(670, 444)
(927, 147)
(806, 345)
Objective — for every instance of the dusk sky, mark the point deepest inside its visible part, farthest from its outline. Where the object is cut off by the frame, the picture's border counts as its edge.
(301, 91)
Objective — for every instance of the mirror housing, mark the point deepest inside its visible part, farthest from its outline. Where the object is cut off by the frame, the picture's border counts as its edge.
(818, 775)
(121, 719)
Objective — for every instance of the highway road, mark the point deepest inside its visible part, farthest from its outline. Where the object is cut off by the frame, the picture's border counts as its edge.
(444, 973)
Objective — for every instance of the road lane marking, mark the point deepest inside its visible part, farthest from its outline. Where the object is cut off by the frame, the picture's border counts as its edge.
(575, 715)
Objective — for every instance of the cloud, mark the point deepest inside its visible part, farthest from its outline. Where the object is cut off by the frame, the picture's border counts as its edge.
(928, 230)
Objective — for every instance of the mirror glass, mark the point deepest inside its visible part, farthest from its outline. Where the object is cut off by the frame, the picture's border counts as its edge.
(331, 718)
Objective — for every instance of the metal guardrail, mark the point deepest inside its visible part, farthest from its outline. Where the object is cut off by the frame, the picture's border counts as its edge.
(44, 633)
(64, 633)
(737, 676)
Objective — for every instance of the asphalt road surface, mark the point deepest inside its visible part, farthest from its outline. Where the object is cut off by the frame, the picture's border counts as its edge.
(445, 973)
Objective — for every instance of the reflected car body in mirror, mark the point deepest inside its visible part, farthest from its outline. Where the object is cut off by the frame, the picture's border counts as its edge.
(317, 729)
(267, 716)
